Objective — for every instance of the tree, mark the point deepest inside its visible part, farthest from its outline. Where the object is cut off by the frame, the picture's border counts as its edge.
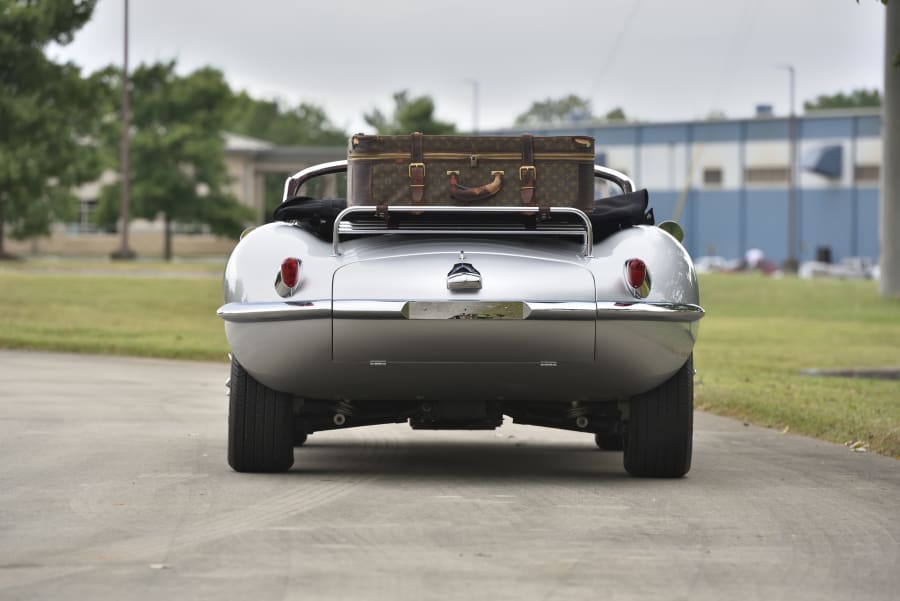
(177, 153)
(46, 117)
(616, 114)
(569, 109)
(303, 125)
(855, 99)
(410, 115)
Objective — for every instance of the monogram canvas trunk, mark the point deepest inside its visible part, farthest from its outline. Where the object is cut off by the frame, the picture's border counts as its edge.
(417, 169)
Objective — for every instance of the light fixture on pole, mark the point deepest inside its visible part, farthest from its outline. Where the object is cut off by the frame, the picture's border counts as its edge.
(124, 252)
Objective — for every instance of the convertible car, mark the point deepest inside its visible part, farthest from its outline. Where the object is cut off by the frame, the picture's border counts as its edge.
(452, 317)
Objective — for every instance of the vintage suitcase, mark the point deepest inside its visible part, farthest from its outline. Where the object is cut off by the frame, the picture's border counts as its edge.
(471, 170)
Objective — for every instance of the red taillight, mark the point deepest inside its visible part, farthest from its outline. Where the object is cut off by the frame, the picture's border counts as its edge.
(636, 271)
(290, 272)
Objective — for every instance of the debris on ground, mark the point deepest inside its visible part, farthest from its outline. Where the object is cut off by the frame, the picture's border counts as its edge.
(857, 446)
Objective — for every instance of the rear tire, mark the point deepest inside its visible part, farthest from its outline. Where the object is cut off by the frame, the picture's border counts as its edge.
(260, 425)
(658, 436)
(609, 442)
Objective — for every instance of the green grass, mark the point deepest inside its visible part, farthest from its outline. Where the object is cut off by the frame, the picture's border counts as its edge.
(213, 267)
(759, 333)
(756, 337)
(112, 314)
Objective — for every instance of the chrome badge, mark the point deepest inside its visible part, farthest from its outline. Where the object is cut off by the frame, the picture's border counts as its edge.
(463, 276)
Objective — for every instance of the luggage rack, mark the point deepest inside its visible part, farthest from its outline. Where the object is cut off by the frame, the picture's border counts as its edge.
(423, 221)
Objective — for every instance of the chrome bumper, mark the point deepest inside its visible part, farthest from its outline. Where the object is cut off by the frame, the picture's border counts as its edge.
(478, 310)
(390, 350)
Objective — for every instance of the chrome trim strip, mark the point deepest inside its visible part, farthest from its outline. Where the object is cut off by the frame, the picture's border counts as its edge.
(617, 177)
(649, 311)
(587, 233)
(314, 171)
(368, 309)
(374, 227)
(563, 311)
(533, 310)
(274, 311)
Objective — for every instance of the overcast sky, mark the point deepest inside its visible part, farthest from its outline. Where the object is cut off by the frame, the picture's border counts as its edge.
(657, 59)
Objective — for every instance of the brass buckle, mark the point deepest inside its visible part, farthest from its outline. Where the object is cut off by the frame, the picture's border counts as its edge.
(527, 168)
(411, 165)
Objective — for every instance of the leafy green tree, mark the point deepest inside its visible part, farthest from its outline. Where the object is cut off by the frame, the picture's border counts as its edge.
(557, 111)
(855, 99)
(617, 114)
(177, 153)
(410, 115)
(303, 125)
(47, 114)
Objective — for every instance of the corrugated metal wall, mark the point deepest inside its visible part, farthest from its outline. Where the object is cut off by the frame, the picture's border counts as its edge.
(732, 179)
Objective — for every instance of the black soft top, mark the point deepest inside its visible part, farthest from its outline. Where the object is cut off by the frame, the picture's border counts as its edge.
(610, 214)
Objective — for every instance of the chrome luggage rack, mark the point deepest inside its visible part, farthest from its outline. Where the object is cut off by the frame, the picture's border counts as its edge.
(422, 221)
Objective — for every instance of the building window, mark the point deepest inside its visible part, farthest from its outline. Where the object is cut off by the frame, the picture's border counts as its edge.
(712, 176)
(867, 173)
(86, 209)
(767, 175)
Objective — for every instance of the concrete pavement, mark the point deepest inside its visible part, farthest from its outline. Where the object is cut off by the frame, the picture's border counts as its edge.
(114, 485)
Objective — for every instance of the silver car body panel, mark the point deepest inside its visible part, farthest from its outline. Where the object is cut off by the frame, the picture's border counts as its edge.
(379, 322)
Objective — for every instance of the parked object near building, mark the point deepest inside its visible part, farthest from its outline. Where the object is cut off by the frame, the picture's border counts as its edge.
(851, 268)
(709, 264)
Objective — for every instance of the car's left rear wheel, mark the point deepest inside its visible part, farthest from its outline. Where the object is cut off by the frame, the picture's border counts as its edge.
(260, 425)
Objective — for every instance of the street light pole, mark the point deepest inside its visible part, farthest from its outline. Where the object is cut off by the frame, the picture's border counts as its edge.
(124, 252)
(790, 263)
(890, 176)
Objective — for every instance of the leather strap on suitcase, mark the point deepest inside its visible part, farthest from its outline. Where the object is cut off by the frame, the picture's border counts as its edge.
(417, 170)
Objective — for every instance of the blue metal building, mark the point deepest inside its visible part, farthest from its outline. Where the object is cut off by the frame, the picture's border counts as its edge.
(727, 181)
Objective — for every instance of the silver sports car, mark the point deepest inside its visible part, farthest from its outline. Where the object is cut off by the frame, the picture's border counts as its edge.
(450, 317)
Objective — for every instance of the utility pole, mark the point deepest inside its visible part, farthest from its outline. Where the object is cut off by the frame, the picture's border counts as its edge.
(890, 139)
(790, 263)
(124, 252)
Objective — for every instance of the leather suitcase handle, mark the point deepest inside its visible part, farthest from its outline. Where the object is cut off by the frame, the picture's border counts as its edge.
(468, 194)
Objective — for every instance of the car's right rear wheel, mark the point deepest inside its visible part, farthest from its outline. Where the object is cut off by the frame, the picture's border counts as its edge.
(260, 425)
(609, 441)
(659, 432)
